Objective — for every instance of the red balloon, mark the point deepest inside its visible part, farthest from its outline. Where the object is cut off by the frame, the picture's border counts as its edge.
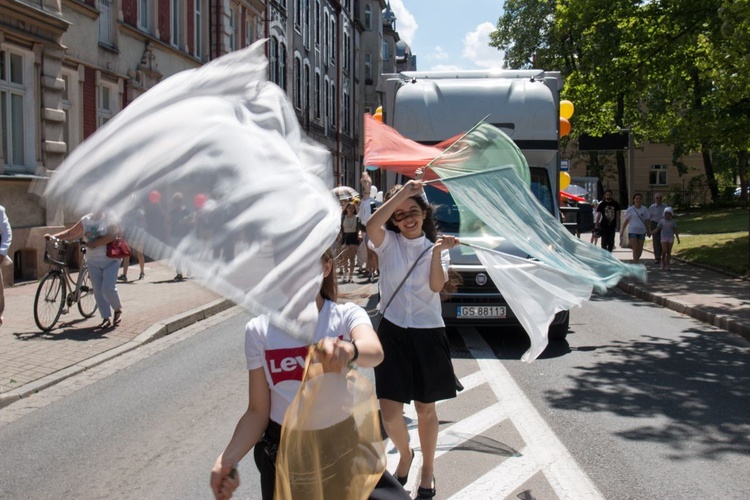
(154, 197)
(564, 127)
(200, 200)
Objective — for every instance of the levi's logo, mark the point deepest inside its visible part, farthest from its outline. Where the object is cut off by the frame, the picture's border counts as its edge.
(286, 364)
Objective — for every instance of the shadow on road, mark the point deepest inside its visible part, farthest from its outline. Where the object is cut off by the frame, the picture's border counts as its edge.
(699, 386)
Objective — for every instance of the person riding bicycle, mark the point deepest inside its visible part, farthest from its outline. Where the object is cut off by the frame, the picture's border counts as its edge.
(96, 230)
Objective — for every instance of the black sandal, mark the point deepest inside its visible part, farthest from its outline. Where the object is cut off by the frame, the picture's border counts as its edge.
(427, 492)
(105, 324)
(117, 318)
(402, 480)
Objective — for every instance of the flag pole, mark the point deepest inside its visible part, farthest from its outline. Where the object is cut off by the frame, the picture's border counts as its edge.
(529, 262)
(456, 141)
(468, 174)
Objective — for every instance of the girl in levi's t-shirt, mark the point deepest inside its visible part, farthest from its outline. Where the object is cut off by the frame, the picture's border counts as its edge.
(276, 363)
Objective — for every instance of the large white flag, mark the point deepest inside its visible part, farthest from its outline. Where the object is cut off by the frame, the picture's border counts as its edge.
(535, 292)
(259, 212)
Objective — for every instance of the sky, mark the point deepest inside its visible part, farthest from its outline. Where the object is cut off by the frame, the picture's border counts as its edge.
(449, 35)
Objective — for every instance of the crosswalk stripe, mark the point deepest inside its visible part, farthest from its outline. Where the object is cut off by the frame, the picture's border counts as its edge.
(452, 436)
(502, 480)
(472, 426)
(542, 446)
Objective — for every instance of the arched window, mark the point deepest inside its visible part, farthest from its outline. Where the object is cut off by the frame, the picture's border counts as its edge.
(273, 56)
(282, 65)
(317, 94)
(297, 82)
(306, 93)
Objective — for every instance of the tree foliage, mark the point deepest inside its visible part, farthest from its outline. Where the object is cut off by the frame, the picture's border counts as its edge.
(673, 71)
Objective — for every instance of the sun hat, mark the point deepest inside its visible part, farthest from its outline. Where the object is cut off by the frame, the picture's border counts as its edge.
(669, 210)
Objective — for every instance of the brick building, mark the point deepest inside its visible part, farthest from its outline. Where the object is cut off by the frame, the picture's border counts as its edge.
(68, 66)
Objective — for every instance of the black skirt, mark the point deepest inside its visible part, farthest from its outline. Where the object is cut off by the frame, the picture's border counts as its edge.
(417, 364)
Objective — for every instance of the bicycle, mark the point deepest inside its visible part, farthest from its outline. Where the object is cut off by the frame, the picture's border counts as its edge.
(52, 296)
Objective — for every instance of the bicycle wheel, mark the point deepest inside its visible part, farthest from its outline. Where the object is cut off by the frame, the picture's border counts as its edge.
(49, 301)
(86, 300)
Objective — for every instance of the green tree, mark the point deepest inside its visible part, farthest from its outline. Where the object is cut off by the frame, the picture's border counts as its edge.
(591, 42)
(673, 72)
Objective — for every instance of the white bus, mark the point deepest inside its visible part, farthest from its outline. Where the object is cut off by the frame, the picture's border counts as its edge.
(430, 107)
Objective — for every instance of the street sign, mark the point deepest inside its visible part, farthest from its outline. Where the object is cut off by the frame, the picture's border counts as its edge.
(564, 165)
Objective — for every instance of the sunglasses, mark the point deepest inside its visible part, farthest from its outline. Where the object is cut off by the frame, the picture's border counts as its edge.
(400, 216)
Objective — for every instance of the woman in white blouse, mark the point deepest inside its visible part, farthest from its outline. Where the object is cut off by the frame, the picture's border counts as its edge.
(636, 225)
(417, 365)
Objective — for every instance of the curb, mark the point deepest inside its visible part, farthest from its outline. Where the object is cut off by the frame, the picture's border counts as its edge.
(718, 320)
(156, 331)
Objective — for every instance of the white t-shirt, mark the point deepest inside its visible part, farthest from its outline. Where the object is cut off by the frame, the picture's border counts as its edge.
(415, 305)
(283, 357)
(636, 218)
(656, 212)
(6, 233)
(365, 210)
(94, 228)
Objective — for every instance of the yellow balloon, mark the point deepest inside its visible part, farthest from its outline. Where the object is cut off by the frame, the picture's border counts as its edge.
(566, 109)
(564, 180)
(379, 110)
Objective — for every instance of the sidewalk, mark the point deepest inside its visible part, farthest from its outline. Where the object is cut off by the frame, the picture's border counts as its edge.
(31, 360)
(705, 294)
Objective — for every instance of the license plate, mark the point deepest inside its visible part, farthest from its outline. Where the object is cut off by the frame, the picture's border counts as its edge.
(469, 312)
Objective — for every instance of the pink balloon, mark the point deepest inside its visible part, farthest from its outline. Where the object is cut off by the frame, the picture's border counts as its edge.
(154, 197)
(199, 200)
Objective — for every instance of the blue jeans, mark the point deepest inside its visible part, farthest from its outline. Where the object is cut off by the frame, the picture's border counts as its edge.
(103, 273)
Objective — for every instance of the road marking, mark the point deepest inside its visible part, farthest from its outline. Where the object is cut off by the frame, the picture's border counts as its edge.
(450, 437)
(502, 480)
(469, 382)
(543, 448)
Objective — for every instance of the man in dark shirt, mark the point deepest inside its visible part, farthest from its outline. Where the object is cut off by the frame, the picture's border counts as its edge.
(610, 220)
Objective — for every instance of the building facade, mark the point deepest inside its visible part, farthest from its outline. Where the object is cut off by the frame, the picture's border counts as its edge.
(651, 171)
(69, 66)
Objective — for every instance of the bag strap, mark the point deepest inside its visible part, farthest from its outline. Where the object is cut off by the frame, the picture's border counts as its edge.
(405, 278)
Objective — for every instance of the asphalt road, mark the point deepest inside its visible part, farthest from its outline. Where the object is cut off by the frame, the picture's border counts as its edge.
(651, 403)
(645, 402)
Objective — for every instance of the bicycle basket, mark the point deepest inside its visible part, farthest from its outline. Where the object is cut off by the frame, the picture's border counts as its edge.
(58, 252)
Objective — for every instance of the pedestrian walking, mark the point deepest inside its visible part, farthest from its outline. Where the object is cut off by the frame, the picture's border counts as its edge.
(417, 365)
(656, 214)
(344, 334)
(596, 232)
(137, 219)
(610, 220)
(349, 239)
(96, 230)
(636, 226)
(666, 231)
(6, 237)
(366, 208)
(181, 222)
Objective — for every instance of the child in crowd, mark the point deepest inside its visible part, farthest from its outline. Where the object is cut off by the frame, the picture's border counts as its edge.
(667, 231)
(344, 334)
